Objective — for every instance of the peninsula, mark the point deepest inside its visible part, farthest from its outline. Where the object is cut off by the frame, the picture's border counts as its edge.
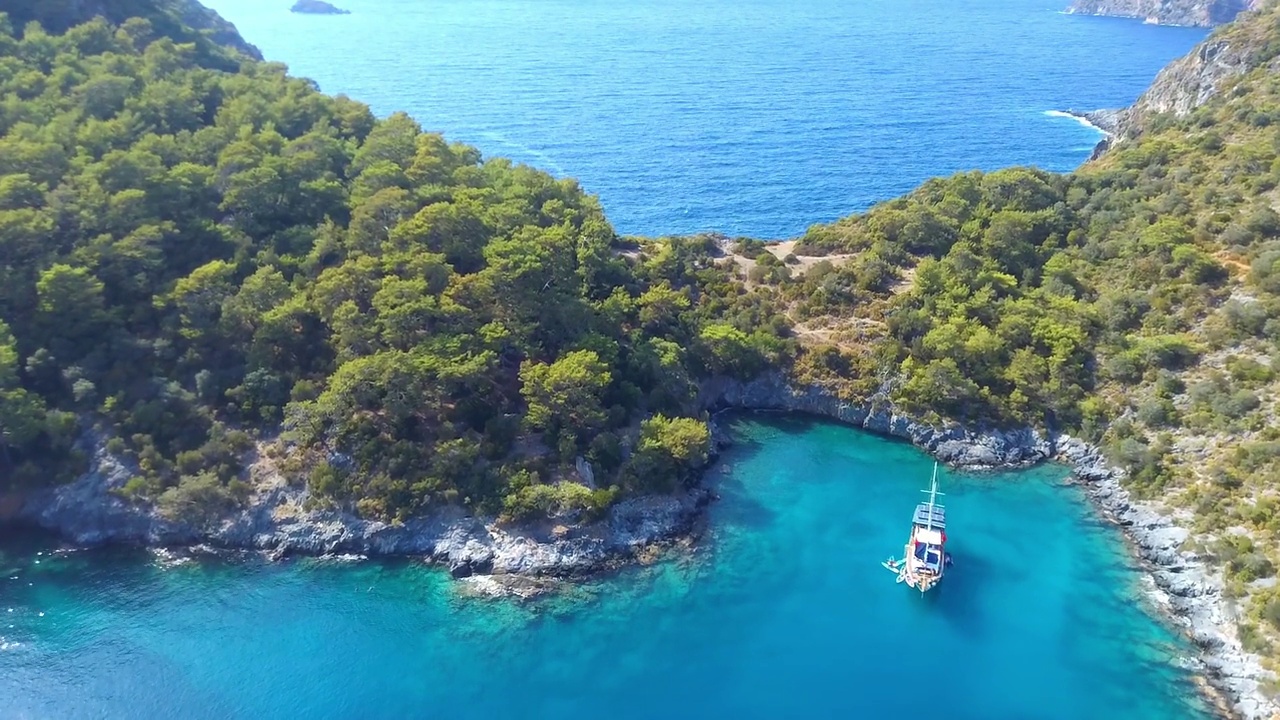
(241, 312)
(1195, 13)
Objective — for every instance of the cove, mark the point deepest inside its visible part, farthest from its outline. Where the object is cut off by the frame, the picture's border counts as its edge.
(748, 117)
(782, 610)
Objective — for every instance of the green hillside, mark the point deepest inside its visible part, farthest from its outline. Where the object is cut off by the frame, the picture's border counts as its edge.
(193, 257)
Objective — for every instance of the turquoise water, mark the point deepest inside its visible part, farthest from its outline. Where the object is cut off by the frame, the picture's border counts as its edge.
(754, 117)
(782, 611)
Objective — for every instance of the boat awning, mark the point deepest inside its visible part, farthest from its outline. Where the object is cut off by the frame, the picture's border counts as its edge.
(926, 515)
(929, 537)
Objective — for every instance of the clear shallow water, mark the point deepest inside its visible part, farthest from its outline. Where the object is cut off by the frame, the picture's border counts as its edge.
(753, 117)
(783, 612)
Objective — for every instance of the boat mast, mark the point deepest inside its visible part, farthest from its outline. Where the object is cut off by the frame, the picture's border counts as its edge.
(933, 493)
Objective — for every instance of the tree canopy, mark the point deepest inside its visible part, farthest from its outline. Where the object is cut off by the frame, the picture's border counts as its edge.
(199, 250)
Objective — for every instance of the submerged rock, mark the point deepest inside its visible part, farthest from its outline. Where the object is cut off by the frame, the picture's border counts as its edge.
(507, 586)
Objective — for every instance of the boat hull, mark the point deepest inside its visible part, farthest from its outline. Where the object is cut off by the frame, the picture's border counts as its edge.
(923, 583)
(916, 576)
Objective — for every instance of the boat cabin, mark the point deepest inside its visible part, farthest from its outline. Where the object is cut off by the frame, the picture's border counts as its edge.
(928, 535)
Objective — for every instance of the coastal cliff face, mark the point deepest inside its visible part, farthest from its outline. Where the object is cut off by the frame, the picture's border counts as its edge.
(1190, 81)
(1199, 13)
(213, 25)
(284, 519)
(1185, 84)
(1182, 86)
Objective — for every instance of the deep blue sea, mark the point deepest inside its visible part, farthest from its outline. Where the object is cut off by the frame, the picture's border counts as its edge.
(750, 117)
(783, 611)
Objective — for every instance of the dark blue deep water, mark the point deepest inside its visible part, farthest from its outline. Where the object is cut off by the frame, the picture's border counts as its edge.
(782, 612)
(752, 117)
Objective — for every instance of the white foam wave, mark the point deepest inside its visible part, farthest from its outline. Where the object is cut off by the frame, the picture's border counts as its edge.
(1082, 120)
(164, 558)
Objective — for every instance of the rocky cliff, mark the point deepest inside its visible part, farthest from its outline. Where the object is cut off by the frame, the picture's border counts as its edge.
(212, 25)
(1201, 13)
(283, 519)
(1189, 82)
(1194, 79)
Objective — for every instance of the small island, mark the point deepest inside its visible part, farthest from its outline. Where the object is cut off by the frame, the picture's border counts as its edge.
(317, 7)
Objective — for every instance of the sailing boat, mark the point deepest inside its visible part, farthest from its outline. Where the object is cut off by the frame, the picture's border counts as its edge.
(926, 559)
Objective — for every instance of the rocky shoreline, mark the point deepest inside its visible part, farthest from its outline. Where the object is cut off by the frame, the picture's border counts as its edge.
(280, 520)
(495, 559)
(1111, 123)
(1107, 122)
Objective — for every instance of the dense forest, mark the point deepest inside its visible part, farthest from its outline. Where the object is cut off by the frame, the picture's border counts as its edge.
(194, 258)
(204, 257)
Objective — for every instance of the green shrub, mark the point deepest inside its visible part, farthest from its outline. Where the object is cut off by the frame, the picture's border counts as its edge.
(669, 451)
(1271, 612)
(1157, 412)
(537, 501)
(198, 500)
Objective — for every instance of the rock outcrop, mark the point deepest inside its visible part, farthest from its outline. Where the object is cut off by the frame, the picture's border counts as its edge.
(317, 7)
(953, 444)
(1192, 80)
(213, 26)
(1198, 13)
(1108, 121)
(280, 518)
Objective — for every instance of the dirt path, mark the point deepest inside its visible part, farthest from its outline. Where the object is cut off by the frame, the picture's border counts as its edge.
(805, 262)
